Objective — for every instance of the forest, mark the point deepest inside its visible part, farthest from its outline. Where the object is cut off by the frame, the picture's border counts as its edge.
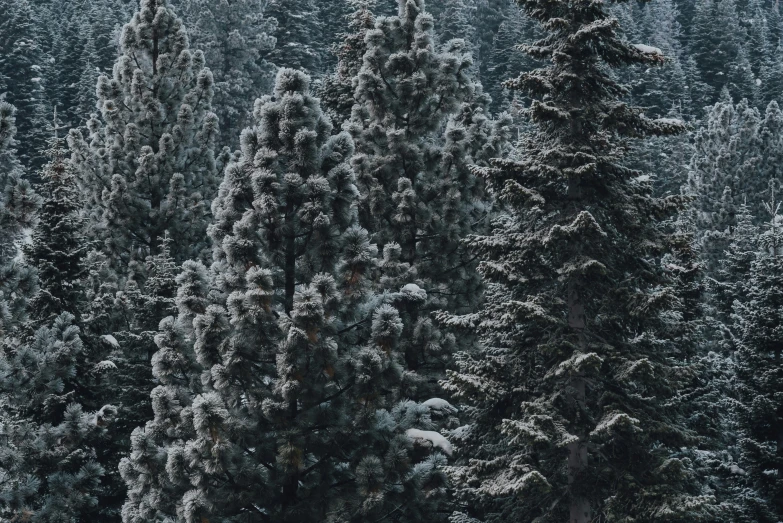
(404, 261)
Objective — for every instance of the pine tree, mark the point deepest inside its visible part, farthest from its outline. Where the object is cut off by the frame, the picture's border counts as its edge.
(48, 459)
(18, 207)
(419, 122)
(723, 174)
(58, 244)
(297, 35)
(571, 418)
(272, 385)
(21, 77)
(338, 89)
(149, 164)
(235, 36)
(760, 372)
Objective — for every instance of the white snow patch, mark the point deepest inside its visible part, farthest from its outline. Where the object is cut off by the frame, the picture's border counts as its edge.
(433, 437)
(439, 404)
(111, 340)
(105, 365)
(647, 49)
(737, 470)
(758, 81)
(414, 291)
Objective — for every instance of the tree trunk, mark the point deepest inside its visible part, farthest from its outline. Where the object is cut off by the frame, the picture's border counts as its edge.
(290, 259)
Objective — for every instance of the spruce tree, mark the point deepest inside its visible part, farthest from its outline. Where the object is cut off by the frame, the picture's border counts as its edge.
(148, 165)
(279, 378)
(58, 243)
(760, 372)
(570, 392)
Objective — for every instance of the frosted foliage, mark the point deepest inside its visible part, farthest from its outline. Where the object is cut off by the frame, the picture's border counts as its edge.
(147, 165)
(282, 367)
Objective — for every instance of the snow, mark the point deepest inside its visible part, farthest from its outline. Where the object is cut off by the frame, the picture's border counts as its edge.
(105, 365)
(758, 81)
(412, 290)
(647, 49)
(111, 340)
(737, 470)
(669, 121)
(438, 404)
(433, 437)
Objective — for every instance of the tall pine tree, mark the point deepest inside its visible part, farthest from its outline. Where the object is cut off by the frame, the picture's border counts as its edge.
(278, 401)
(149, 164)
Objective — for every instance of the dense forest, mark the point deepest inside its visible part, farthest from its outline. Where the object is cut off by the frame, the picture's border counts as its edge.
(365, 261)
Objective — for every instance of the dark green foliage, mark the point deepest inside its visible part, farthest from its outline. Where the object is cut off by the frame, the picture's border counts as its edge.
(570, 417)
(58, 244)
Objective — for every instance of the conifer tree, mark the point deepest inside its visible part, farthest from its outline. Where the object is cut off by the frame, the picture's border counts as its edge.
(271, 380)
(22, 78)
(338, 90)
(149, 165)
(297, 34)
(18, 207)
(236, 37)
(715, 53)
(58, 244)
(760, 372)
(571, 416)
(419, 122)
(48, 459)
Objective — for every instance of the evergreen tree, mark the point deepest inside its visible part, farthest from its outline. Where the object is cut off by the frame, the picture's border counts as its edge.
(58, 244)
(338, 89)
(297, 35)
(235, 36)
(760, 373)
(272, 386)
(571, 416)
(715, 53)
(419, 122)
(18, 207)
(48, 460)
(22, 62)
(149, 165)
(723, 174)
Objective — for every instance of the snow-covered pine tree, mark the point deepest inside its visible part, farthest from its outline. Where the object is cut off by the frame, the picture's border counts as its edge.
(48, 459)
(419, 122)
(723, 174)
(760, 371)
(298, 34)
(149, 164)
(58, 244)
(22, 78)
(338, 87)
(283, 424)
(18, 207)
(715, 53)
(48, 462)
(236, 37)
(570, 392)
